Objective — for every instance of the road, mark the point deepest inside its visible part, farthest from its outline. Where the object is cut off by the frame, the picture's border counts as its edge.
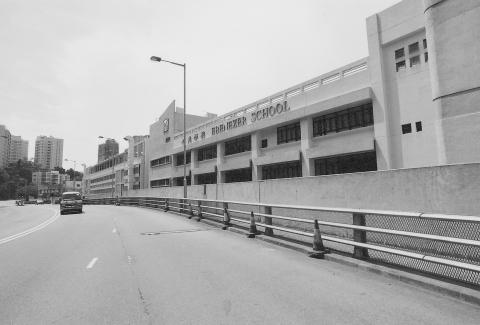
(102, 267)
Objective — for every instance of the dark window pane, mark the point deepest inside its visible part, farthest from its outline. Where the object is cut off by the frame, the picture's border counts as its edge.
(352, 163)
(406, 128)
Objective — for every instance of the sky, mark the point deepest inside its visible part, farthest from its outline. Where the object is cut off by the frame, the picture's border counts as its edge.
(80, 69)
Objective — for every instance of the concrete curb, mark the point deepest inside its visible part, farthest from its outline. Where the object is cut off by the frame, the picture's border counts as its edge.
(452, 290)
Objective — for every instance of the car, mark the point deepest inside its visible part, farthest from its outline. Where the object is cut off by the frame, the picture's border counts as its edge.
(39, 201)
(71, 201)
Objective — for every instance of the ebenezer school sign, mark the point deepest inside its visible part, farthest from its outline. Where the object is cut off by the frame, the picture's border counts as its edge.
(257, 115)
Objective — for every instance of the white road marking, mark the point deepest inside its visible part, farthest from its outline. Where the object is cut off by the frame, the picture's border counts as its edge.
(31, 230)
(114, 230)
(92, 262)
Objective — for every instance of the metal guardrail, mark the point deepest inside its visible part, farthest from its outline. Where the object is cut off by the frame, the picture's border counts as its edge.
(392, 237)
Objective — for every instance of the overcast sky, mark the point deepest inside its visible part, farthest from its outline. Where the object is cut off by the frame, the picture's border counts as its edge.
(77, 69)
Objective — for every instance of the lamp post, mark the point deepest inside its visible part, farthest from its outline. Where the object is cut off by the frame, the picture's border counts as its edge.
(184, 66)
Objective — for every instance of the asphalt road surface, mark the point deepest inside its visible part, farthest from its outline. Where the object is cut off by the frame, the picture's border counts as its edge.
(106, 267)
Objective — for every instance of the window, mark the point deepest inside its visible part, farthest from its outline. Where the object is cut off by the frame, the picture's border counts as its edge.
(400, 65)
(207, 153)
(351, 118)
(264, 143)
(406, 128)
(353, 163)
(208, 178)
(288, 133)
(179, 158)
(283, 170)
(167, 139)
(424, 43)
(160, 161)
(238, 145)
(238, 175)
(178, 181)
(160, 183)
(414, 60)
(400, 53)
(413, 48)
(425, 56)
(418, 126)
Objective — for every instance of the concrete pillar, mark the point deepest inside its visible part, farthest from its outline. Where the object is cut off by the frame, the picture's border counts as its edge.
(306, 128)
(267, 220)
(194, 164)
(453, 44)
(359, 236)
(256, 170)
(220, 155)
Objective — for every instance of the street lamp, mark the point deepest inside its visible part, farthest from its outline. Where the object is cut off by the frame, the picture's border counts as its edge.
(184, 66)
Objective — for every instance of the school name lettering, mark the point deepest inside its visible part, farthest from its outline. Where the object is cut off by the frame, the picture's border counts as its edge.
(270, 111)
(256, 116)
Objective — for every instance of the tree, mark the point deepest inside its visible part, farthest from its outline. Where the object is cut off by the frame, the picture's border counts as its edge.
(78, 175)
(60, 170)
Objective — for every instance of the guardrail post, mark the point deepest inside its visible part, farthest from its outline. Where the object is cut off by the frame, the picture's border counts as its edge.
(226, 216)
(268, 221)
(318, 249)
(190, 210)
(166, 206)
(199, 214)
(359, 236)
(253, 227)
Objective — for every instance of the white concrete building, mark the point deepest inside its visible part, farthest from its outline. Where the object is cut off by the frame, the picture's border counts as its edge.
(413, 102)
(5, 139)
(48, 152)
(18, 149)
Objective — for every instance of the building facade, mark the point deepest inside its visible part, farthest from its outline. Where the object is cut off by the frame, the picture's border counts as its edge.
(5, 141)
(48, 152)
(108, 178)
(107, 150)
(413, 102)
(18, 149)
(50, 183)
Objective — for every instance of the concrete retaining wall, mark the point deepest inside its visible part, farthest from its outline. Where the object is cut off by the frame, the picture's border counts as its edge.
(451, 189)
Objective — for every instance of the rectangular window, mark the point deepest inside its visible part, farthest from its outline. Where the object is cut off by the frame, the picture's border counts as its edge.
(400, 65)
(425, 55)
(406, 128)
(412, 48)
(208, 178)
(167, 139)
(238, 145)
(160, 183)
(415, 60)
(418, 126)
(264, 143)
(351, 118)
(282, 170)
(238, 175)
(288, 133)
(179, 158)
(424, 43)
(353, 163)
(178, 181)
(207, 153)
(400, 53)
(160, 161)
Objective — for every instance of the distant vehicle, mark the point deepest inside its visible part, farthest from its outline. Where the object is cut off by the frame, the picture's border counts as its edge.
(31, 202)
(39, 201)
(71, 201)
(47, 201)
(19, 202)
(57, 201)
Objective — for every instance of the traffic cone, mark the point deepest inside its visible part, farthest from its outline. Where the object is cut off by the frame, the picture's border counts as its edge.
(318, 249)
(226, 219)
(253, 227)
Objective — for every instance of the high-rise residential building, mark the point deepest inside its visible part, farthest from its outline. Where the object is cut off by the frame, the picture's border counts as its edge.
(48, 152)
(5, 139)
(18, 149)
(107, 150)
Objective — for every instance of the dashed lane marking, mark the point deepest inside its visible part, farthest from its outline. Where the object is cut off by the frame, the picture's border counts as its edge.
(114, 230)
(92, 262)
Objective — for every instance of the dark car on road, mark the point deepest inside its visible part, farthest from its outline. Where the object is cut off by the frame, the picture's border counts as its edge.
(71, 201)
